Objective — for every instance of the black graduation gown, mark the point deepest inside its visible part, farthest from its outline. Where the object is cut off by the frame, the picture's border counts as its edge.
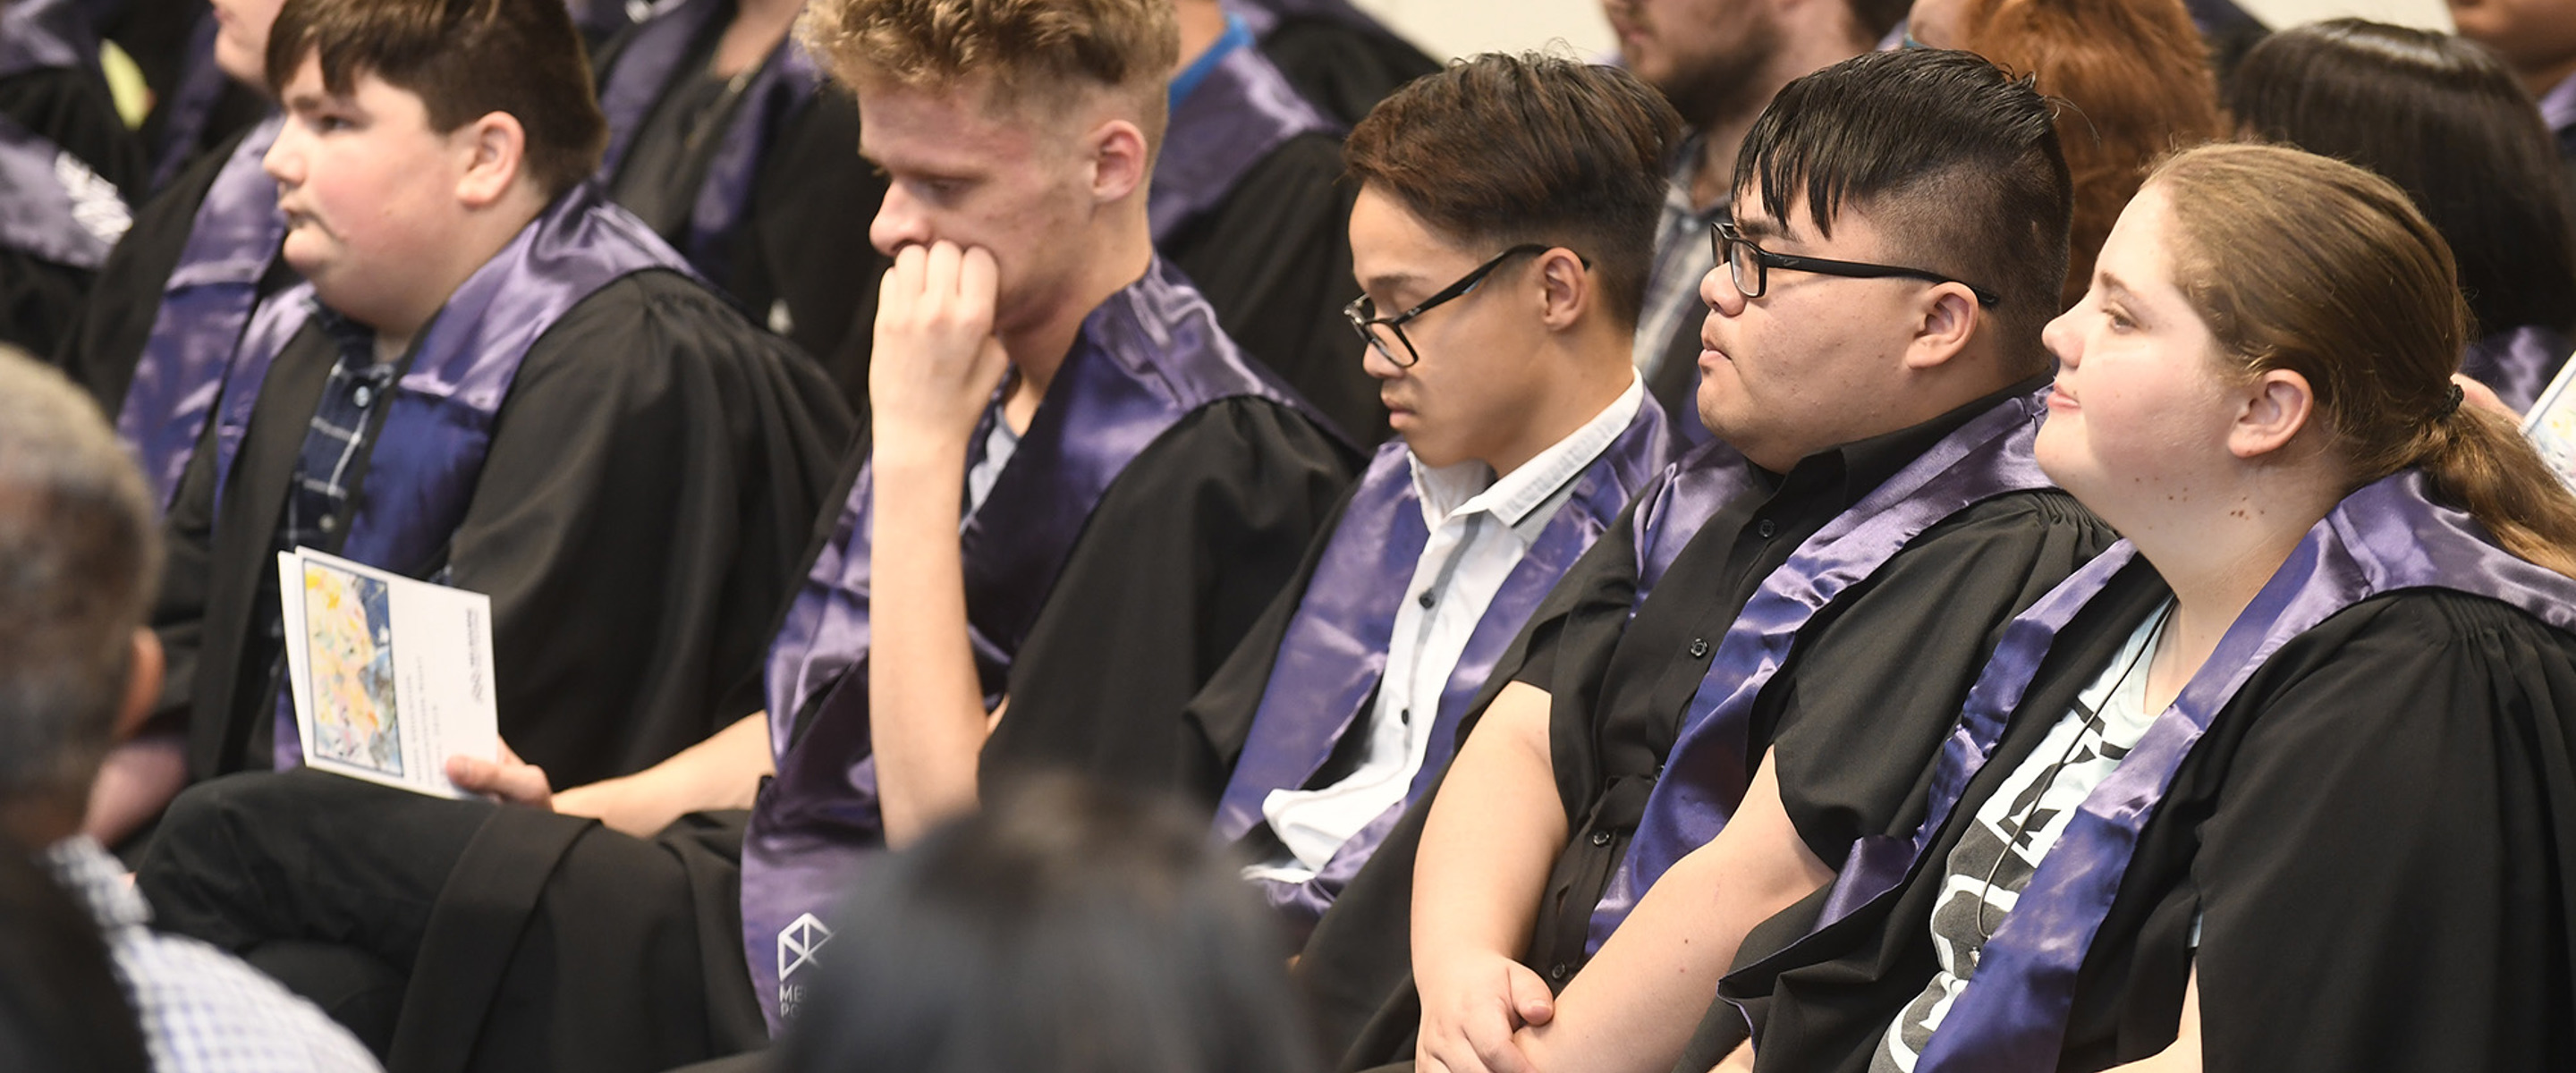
(40, 300)
(803, 248)
(651, 483)
(1151, 599)
(2373, 827)
(1274, 259)
(799, 262)
(104, 345)
(1888, 664)
(1343, 68)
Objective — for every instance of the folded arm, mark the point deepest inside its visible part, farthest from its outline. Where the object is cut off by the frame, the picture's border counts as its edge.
(1633, 1007)
(1488, 846)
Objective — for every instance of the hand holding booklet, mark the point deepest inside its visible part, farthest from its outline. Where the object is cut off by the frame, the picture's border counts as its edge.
(390, 675)
(2552, 424)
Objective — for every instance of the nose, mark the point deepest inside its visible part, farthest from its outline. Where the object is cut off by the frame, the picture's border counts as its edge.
(1377, 364)
(284, 160)
(899, 222)
(1717, 289)
(2062, 339)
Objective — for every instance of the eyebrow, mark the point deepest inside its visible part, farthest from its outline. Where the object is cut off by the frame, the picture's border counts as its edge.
(1759, 227)
(1389, 281)
(2112, 284)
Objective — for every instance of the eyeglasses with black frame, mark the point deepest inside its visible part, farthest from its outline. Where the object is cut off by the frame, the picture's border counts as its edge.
(1362, 312)
(1748, 265)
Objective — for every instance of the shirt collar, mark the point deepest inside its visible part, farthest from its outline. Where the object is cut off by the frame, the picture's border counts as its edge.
(85, 871)
(1470, 487)
(1868, 463)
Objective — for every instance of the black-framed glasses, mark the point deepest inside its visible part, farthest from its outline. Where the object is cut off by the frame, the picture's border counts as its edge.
(1748, 265)
(1362, 312)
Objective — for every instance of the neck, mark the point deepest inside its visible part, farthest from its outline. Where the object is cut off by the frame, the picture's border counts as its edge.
(2217, 549)
(1202, 22)
(757, 28)
(482, 234)
(1038, 348)
(1598, 367)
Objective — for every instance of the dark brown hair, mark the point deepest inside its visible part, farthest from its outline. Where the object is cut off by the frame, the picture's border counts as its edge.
(1031, 49)
(464, 59)
(2135, 74)
(2369, 311)
(1499, 150)
(2450, 125)
(1954, 160)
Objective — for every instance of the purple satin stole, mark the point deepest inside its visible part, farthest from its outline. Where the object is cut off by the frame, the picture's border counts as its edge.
(43, 214)
(1146, 358)
(2518, 363)
(2386, 537)
(1712, 762)
(429, 453)
(40, 35)
(192, 102)
(205, 303)
(1677, 502)
(2558, 109)
(786, 82)
(1240, 113)
(1335, 648)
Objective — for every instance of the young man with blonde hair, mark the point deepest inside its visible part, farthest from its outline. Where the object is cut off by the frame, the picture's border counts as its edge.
(1077, 495)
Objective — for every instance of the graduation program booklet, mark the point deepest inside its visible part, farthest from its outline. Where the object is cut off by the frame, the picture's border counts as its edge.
(391, 676)
(2552, 424)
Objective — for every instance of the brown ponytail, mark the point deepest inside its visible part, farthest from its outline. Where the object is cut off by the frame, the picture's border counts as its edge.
(2303, 263)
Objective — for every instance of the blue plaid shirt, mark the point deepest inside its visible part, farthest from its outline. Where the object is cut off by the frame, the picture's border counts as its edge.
(336, 436)
(201, 1010)
(317, 499)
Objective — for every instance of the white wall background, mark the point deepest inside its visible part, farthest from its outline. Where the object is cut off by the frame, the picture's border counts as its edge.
(1460, 27)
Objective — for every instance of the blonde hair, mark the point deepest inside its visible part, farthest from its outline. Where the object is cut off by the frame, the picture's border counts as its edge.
(2312, 265)
(1032, 51)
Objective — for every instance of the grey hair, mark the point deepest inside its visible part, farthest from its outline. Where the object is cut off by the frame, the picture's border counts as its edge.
(79, 558)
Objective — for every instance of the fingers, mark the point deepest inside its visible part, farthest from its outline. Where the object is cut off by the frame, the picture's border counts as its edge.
(1530, 997)
(1490, 1037)
(514, 783)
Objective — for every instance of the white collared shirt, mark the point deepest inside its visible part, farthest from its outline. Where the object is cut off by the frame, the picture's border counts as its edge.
(1479, 529)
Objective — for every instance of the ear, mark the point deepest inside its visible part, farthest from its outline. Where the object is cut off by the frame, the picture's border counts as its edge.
(1947, 316)
(1120, 162)
(143, 672)
(2273, 411)
(495, 154)
(1566, 291)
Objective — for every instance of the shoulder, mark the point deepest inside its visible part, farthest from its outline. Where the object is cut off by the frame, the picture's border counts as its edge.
(204, 1011)
(1250, 429)
(650, 320)
(2450, 651)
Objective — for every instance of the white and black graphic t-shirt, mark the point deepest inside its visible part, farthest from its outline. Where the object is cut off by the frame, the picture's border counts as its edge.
(2026, 814)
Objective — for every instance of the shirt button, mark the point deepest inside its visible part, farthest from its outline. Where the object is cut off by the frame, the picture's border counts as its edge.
(1404, 716)
(330, 524)
(1601, 838)
(1558, 972)
(1699, 648)
(1424, 599)
(1766, 528)
(366, 394)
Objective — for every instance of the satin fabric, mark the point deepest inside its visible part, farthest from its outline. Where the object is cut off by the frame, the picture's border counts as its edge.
(429, 450)
(1241, 111)
(2386, 537)
(2518, 363)
(787, 80)
(1335, 648)
(1710, 766)
(1146, 358)
(205, 304)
